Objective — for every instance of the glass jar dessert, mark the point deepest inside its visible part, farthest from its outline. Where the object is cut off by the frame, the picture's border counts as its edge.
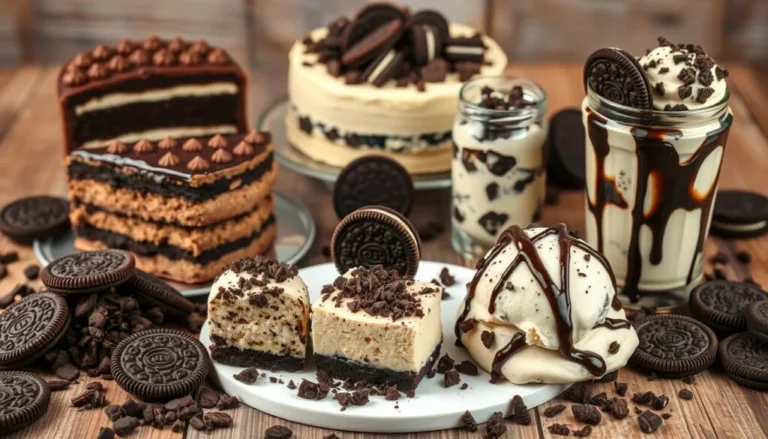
(652, 173)
(498, 166)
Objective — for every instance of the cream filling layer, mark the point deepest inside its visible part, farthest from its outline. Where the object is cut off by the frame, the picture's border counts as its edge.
(740, 227)
(117, 99)
(430, 43)
(386, 110)
(381, 66)
(464, 50)
(160, 133)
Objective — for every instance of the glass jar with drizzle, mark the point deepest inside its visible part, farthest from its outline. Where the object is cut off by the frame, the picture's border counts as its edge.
(651, 181)
(498, 166)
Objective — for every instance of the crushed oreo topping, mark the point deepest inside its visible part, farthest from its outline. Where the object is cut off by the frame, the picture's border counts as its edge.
(493, 99)
(469, 421)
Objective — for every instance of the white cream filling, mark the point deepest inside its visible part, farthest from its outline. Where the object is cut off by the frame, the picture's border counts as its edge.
(740, 227)
(161, 133)
(381, 66)
(430, 43)
(118, 99)
(465, 50)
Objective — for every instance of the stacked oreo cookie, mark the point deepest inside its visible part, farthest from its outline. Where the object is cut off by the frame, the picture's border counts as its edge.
(385, 42)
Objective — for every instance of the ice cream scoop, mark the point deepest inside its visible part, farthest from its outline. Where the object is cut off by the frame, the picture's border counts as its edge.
(542, 308)
(683, 74)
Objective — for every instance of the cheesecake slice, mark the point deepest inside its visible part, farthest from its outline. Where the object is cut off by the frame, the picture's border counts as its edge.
(373, 325)
(258, 311)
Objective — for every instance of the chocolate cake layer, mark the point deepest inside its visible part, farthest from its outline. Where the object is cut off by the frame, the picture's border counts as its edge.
(187, 112)
(171, 252)
(147, 183)
(344, 369)
(247, 357)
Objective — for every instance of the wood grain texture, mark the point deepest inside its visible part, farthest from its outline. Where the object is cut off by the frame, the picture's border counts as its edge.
(30, 163)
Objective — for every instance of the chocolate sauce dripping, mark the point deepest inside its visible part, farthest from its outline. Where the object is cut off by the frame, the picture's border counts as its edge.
(501, 357)
(673, 189)
(613, 324)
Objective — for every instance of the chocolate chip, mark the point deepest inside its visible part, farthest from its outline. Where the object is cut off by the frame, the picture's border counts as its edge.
(217, 420)
(649, 421)
(554, 410)
(32, 272)
(659, 88)
(68, 372)
(666, 415)
(469, 421)
(248, 375)
(487, 338)
(132, 408)
(467, 368)
(584, 432)
(467, 325)
(618, 408)
(614, 347)
(125, 425)
(446, 278)
(600, 400)
(586, 414)
(278, 432)
(227, 402)
(685, 394)
(105, 433)
(559, 429)
(114, 412)
(660, 402)
(451, 378)
(663, 70)
(445, 363)
(620, 388)
(643, 398)
(208, 398)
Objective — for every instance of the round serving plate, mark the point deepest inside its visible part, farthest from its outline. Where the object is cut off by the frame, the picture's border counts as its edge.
(273, 120)
(295, 235)
(433, 408)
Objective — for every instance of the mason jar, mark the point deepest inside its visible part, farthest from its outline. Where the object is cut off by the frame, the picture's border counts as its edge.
(651, 182)
(498, 169)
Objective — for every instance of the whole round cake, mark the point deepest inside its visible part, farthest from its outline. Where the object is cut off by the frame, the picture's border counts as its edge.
(385, 82)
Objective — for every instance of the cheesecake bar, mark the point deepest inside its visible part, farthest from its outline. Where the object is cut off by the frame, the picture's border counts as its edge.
(372, 325)
(149, 90)
(258, 311)
(186, 207)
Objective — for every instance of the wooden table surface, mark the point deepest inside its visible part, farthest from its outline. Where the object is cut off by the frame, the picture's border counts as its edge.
(30, 163)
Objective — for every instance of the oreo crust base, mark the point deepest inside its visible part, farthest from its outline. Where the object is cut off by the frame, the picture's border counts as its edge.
(233, 356)
(345, 369)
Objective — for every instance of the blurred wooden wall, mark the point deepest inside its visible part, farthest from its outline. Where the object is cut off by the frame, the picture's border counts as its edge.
(259, 32)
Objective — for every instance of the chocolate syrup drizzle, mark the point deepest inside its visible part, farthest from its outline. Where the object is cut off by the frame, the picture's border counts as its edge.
(673, 189)
(559, 297)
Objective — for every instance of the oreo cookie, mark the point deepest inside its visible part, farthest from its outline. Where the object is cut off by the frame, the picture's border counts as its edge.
(721, 304)
(617, 76)
(376, 235)
(366, 39)
(86, 272)
(433, 19)
(745, 360)
(427, 43)
(159, 364)
(158, 293)
(739, 214)
(566, 150)
(24, 398)
(29, 218)
(757, 320)
(674, 346)
(373, 181)
(382, 11)
(465, 49)
(385, 67)
(31, 327)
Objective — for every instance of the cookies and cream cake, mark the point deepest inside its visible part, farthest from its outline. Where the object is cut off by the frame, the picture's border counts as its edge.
(149, 90)
(185, 207)
(384, 82)
(373, 325)
(258, 311)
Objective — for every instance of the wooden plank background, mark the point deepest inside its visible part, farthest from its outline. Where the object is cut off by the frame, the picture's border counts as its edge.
(30, 163)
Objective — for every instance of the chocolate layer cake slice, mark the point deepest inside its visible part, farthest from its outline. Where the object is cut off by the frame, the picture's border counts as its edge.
(185, 207)
(149, 90)
(258, 310)
(372, 325)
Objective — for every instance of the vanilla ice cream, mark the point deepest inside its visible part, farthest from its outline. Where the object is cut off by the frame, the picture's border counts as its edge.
(522, 321)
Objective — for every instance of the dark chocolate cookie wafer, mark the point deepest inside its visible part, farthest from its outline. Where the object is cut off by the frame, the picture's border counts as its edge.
(86, 272)
(24, 398)
(383, 11)
(566, 150)
(617, 76)
(373, 181)
(159, 364)
(34, 217)
(674, 345)
(757, 320)
(745, 360)
(433, 19)
(427, 43)
(373, 236)
(384, 67)
(739, 214)
(151, 289)
(364, 45)
(30, 328)
(721, 304)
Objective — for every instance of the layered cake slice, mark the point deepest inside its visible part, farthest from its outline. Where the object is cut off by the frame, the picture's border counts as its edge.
(149, 90)
(373, 325)
(258, 311)
(185, 207)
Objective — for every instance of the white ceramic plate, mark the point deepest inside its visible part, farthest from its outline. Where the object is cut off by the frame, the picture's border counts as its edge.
(273, 120)
(433, 408)
(295, 235)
